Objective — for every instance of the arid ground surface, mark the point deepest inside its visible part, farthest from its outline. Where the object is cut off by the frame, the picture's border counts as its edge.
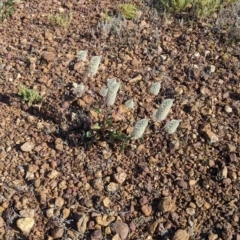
(56, 182)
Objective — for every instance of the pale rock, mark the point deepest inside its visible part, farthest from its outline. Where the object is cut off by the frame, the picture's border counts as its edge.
(57, 233)
(25, 224)
(53, 174)
(120, 177)
(50, 212)
(181, 235)
(48, 56)
(59, 202)
(82, 224)
(27, 147)
(104, 220)
(112, 187)
(121, 229)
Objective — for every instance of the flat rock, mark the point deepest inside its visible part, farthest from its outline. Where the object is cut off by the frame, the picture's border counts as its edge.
(25, 224)
(27, 146)
(48, 56)
(121, 229)
(181, 235)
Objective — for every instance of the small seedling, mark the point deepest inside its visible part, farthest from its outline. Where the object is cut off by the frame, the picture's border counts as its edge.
(62, 20)
(29, 95)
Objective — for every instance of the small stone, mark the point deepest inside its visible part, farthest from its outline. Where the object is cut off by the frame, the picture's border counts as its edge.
(143, 200)
(2, 223)
(104, 220)
(190, 211)
(97, 235)
(27, 213)
(78, 65)
(181, 235)
(50, 212)
(212, 236)
(27, 146)
(121, 229)
(228, 109)
(59, 144)
(57, 233)
(59, 202)
(82, 224)
(48, 56)
(53, 174)
(182, 184)
(120, 177)
(116, 237)
(112, 187)
(224, 172)
(192, 182)
(147, 210)
(25, 224)
(106, 202)
(65, 212)
(98, 184)
(166, 204)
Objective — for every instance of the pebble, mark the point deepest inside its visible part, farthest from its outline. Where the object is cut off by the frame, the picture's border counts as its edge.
(97, 235)
(59, 144)
(106, 202)
(112, 187)
(53, 174)
(228, 109)
(98, 184)
(82, 224)
(48, 56)
(104, 220)
(57, 233)
(59, 202)
(190, 211)
(212, 236)
(166, 204)
(50, 212)
(147, 210)
(25, 224)
(27, 146)
(120, 177)
(121, 229)
(181, 235)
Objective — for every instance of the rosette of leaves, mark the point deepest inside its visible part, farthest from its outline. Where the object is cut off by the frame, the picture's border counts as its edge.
(29, 95)
(139, 128)
(163, 110)
(93, 65)
(172, 126)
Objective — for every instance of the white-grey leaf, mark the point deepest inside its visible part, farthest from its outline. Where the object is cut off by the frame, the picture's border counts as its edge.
(82, 55)
(112, 94)
(93, 65)
(139, 128)
(163, 110)
(155, 88)
(172, 126)
(103, 91)
(111, 82)
(78, 89)
(129, 104)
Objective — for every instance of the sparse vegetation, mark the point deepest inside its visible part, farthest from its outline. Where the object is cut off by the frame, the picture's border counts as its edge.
(6, 9)
(127, 10)
(60, 19)
(29, 95)
(201, 8)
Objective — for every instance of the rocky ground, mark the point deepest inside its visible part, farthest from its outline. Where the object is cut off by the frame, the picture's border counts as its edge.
(57, 182)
